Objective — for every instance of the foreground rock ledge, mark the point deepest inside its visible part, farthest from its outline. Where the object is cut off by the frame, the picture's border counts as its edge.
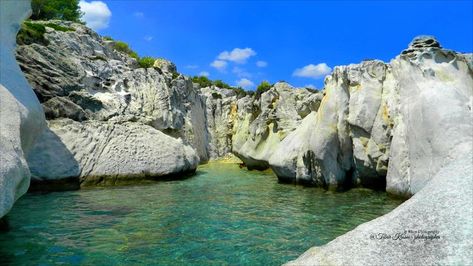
(443, 206)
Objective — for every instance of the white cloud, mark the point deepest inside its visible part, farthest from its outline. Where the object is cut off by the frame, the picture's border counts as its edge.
(245, 83)
(313, 71)
(204, 73)
(192, 66)
(139, 14)
(237, 55)
(241, 73)
(219, 64)
(148, 38)
(96, 14)
(261, 63)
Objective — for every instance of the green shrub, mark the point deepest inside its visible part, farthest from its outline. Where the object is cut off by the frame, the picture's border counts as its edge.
(31, 33)
(124, 48)
(240, 92)
(175, 75)
(222, 85)
(146, 62)
(59, 27)
(56, 9)
(203, 81)
(107, 38)
(134, 55)
(262, 87)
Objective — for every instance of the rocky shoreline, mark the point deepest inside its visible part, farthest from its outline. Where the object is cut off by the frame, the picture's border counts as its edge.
(404, 127)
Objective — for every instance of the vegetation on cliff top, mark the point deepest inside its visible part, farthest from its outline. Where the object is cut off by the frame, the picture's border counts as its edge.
(31, 33)
(56, 9)
(203, 82)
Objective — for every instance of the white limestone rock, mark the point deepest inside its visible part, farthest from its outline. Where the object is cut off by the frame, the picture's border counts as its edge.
(220, 113)
(92, 81)
(21, 115)
(264, 123)
(442, 207)
(435, 114)
(428, 92)
(109, 153)
(292, 160)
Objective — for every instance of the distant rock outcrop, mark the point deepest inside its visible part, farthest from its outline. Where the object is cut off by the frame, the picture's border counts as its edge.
(262, 123)
(88, 88)
(21, 115)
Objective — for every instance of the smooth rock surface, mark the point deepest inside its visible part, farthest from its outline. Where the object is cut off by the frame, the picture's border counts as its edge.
(108, 153)
(435, 122)
(442, 206)
(21, 115)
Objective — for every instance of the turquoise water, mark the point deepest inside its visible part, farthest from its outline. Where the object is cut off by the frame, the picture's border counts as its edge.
(223, 215)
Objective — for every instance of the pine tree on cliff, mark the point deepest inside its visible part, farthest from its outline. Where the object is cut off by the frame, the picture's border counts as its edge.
(56, 9)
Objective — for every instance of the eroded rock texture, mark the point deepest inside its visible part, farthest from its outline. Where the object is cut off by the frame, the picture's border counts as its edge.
(106, 114)
(426, 117)
(262, 123)
(388, 126)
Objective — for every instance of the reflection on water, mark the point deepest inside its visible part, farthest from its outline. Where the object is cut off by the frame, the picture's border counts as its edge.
(223, 215)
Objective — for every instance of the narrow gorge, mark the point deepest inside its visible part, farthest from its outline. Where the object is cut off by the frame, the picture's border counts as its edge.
(76, 112)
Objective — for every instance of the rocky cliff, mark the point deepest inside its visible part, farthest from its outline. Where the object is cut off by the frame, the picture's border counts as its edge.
(21, 116)
(106, 115)
(411, 118)
(381, 125)
(404, 126)
(262, 123)
(97, 99)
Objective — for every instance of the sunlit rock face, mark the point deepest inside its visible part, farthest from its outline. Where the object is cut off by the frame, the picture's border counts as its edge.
(109, 118)
(387, 126)
(427, 125)
(434, 123)
(21, 115)
(262, 123)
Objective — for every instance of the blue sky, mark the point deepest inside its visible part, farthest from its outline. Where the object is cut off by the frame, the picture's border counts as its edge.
(245, 42)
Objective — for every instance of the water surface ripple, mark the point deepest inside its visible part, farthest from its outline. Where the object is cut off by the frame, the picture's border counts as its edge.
(222, 216)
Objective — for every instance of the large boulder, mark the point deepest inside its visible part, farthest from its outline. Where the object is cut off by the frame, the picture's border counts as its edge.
(21, 115)
(292, 161)
(110, 121)
(94, 153)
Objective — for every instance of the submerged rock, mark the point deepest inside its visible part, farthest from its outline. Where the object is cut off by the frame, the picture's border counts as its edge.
(21, 115)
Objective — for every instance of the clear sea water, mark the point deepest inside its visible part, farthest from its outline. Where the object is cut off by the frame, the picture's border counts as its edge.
(222, 216)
